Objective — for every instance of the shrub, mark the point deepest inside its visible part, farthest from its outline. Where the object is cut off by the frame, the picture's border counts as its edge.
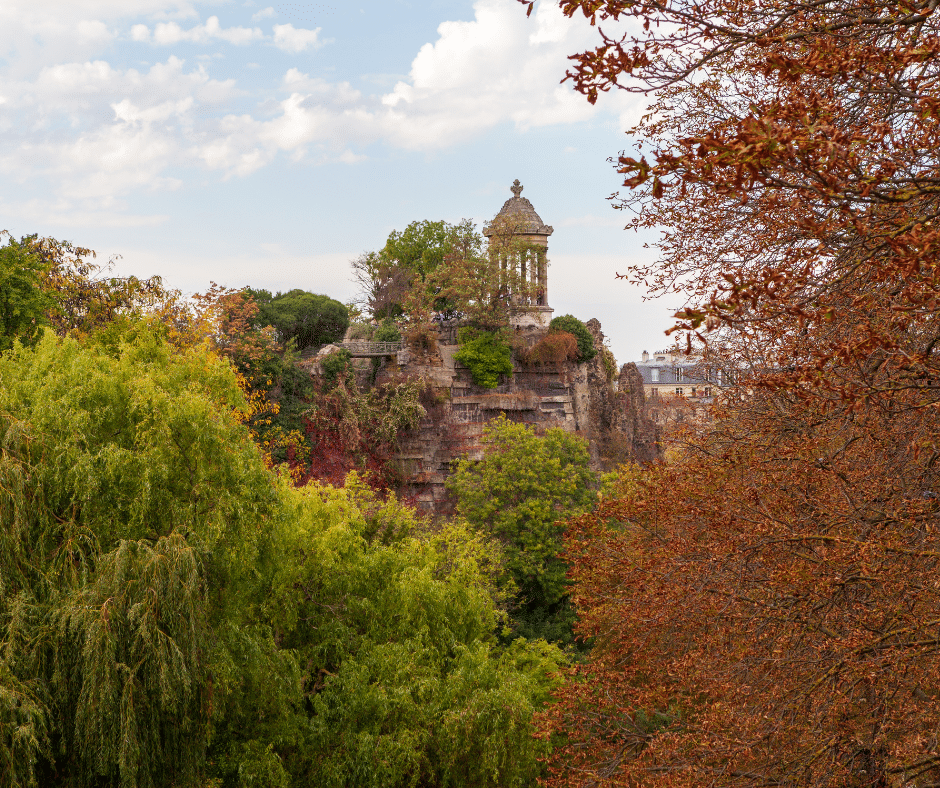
(309, 319)
(335, 365)
(422, 338)
(610, 364)
(571, 324)
(487, 356)
(554, 349)
(361, 332)
(387, 332)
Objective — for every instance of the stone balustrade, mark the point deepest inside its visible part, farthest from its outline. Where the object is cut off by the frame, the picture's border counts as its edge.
(371, 349)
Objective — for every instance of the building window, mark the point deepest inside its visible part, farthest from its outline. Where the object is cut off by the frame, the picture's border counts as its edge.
(694, 392)
(708, 391)
(678, 391)
(655, 374)
(654, 392)
(678, 374)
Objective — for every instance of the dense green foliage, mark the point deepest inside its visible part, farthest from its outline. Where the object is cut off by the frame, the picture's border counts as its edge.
(307, 319)
(131, 515)
(521, 492)
(23, 302)
(571, 324)
(335, 366)
(387, 332)
(486, 355)
(420, 247)
(404, 679)
(171, 612)
(407, 263)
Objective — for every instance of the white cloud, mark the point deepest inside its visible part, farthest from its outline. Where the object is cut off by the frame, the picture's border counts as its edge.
(315, 128)
(320, 91)
(129, 113)
(100, 165)
(170, 33)
(128, 129)
(94, 33)
(495, 68)
(500, 66)
(92, 130)
(296, 39)
(84, 93)
(264, 13)
(37, 33)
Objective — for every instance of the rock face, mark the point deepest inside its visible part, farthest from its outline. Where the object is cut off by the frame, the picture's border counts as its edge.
(578, 398)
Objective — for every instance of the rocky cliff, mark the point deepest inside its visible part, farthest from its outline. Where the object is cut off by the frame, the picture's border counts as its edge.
(579, 398)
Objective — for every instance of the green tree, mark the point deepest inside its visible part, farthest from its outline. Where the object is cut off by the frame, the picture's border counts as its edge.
(404, 680)
(420, 247)
(24, 305)
(487, 356)
(132, 505)
(407, 264)
(521, 492)
(171, 611)
(306, 318)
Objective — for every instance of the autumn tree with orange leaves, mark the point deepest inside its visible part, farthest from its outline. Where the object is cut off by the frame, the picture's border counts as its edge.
(765, 610)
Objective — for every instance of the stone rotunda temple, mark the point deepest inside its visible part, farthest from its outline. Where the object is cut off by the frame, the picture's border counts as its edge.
(519, 243)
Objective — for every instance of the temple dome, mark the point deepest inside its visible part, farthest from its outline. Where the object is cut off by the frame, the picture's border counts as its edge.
(518, 212)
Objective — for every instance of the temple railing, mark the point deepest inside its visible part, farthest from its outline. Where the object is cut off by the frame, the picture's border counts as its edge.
(371, 349)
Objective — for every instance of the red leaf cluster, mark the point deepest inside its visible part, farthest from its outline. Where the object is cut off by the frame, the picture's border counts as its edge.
(764, 610)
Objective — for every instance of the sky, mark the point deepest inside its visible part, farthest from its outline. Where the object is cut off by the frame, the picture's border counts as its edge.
(268, 144)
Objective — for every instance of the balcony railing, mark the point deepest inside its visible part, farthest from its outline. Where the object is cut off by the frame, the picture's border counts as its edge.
(366, 349)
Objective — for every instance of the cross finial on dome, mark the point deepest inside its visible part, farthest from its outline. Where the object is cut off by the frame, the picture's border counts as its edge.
(516, 188)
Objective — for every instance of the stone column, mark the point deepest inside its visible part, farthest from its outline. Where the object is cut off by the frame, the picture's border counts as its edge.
(520, 272)
(543, 277)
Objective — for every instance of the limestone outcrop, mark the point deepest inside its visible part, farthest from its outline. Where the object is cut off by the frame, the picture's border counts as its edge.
(579, 398)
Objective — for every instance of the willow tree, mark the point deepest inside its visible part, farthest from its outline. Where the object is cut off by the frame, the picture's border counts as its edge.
(132, 508)
(172, 612)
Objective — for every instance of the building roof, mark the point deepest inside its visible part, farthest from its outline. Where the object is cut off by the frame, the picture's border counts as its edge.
(672, 374)
(518, 212)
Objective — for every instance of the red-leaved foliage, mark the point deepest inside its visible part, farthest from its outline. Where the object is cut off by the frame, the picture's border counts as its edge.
(552, 350)
(764, 609)
(329, 459)
(790, 161)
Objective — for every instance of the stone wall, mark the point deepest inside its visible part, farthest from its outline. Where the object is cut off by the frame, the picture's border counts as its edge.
(577, 398)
